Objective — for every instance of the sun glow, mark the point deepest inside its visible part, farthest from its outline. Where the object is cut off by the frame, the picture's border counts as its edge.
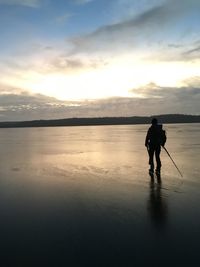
(117, 79)
(91, 84)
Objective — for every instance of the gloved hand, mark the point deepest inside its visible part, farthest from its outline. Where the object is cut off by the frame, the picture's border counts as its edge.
(163, 144)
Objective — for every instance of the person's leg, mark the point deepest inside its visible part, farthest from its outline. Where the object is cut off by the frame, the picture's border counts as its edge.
(151, 163)
(158, 161)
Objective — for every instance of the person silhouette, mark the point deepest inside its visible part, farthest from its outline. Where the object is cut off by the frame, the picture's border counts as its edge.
(155, 138)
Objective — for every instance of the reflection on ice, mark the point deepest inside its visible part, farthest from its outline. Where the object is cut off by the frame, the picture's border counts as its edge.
(81, 196)
(157, 205)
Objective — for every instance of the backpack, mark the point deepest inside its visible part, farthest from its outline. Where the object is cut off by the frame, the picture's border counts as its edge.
(156, 135)
(162, 135)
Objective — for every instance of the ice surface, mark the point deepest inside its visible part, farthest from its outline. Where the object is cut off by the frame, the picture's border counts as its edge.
(82, 196)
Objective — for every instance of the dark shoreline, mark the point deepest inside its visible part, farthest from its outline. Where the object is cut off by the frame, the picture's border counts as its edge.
(167, 118)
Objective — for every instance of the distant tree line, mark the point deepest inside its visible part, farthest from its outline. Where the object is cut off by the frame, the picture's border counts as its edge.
(167, 118)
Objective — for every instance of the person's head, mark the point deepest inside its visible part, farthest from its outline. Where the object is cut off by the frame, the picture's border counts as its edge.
(154, 121)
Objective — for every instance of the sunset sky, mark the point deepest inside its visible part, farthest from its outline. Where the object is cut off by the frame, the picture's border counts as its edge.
(88, 58)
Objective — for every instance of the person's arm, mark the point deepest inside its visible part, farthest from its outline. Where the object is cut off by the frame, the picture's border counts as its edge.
(164, 138)
(147, 139)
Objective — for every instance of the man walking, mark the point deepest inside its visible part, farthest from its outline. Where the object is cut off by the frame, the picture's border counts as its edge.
(155, 138)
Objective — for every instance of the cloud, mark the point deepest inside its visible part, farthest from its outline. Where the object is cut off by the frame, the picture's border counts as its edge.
(47, 60)
(17, 104)
(69, 64)
(193, 82)
(190, 89)
(64, 64)
(196, 49)
(6, 90)
(193, 52)
(28, 3)
(122, 34)
(154, 27)
(175, 45)
(157, 99)
(126, 34)
(130, 8)
(154, 100)
(171, 99)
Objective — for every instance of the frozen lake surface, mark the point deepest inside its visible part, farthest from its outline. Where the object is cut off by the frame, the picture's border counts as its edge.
(82, 196)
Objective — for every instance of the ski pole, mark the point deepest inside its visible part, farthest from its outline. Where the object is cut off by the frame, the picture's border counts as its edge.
(173, 161)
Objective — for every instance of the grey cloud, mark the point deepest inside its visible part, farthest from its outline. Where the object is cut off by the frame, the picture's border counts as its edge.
(25, 106)
(175, 45)
(127, 8)
(72, 64)
(52, 61)
(175, 100)
(121, 34)
(193, 82)
(192, 52)
(170, 100)
(190, 90)
(149, 27)
(66, 63)
(24, 99)
(9, 90)
(158, 100)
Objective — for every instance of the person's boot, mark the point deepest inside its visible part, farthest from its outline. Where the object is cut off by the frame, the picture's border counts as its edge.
(151, 170)
(158, 171)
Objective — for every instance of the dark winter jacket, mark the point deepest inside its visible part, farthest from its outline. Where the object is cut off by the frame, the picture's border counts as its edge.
(155, 136)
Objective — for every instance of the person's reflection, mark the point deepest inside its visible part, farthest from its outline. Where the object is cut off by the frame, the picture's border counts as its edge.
(157, 205)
